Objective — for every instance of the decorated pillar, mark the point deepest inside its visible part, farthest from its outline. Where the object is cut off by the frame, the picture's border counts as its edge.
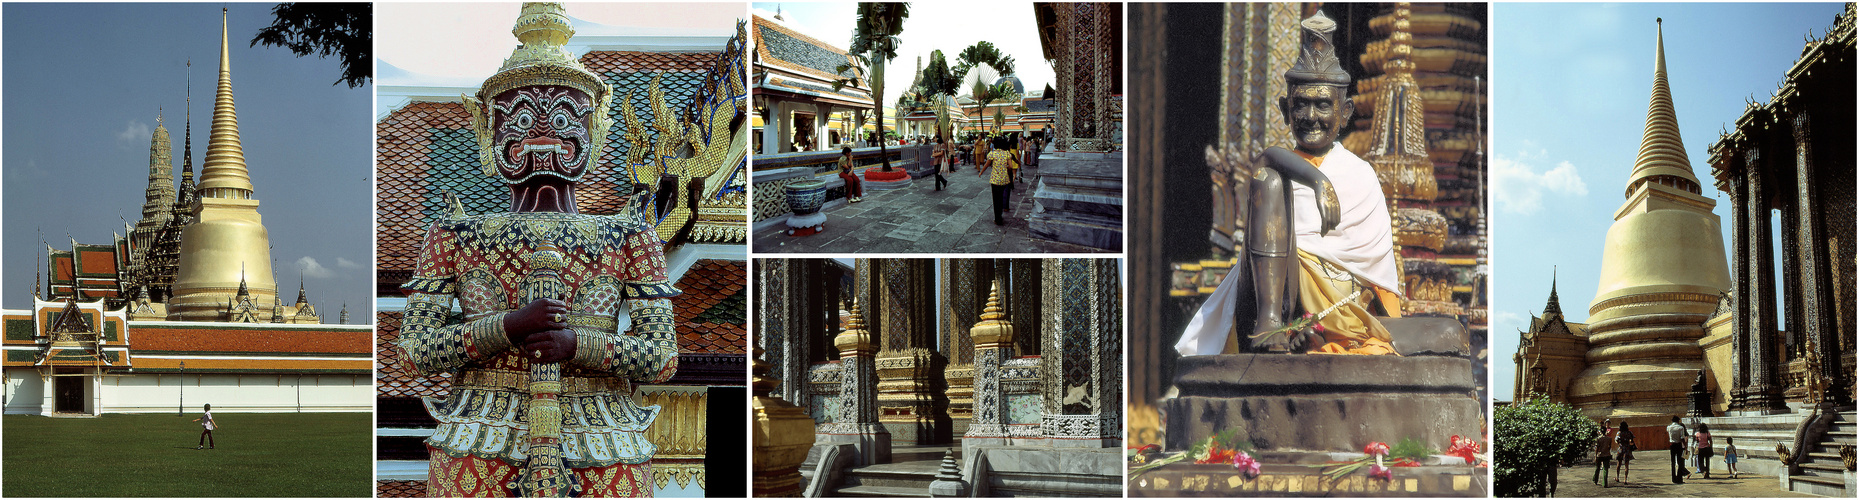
(1815, 266)
(1764, 391)
(1081, 380)
(1739, 281)
(962, 297)
(1087, 70)
(857, 422)
(992, 337)
(782, 435)
(911, 389)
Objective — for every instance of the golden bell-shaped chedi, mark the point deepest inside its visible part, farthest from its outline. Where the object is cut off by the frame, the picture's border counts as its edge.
(1662, 271)
(227, 244)
(782, 435)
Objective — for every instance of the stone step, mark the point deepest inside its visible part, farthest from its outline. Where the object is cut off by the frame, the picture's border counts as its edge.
(1831, 481)
(1834, 487)
(1829, 456)
(909, 475)
(883, 492)
(1831, 469)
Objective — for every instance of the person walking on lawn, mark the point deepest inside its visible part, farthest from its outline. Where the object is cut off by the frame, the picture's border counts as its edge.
(206, 428)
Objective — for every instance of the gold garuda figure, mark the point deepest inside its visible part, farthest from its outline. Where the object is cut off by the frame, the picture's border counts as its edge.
(562, 311)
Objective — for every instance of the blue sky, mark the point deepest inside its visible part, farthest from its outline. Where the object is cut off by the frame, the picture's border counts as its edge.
(83, 84)
(1571, 83)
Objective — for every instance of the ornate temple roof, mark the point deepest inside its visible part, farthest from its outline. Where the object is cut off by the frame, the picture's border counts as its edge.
(711, 315)
(790, 62)
(159, 346)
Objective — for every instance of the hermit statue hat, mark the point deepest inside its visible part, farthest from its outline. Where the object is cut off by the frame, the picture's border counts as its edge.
(541, 59)
(1316, 59)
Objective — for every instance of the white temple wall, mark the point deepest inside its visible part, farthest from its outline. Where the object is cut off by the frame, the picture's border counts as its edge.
(27, 393)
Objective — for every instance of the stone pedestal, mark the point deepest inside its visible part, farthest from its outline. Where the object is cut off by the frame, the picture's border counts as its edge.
(1080, 199)
(1322, 403)
(993, 339)
(857, 422)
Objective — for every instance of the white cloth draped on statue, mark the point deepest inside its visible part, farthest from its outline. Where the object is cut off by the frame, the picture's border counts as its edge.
(1362, 243)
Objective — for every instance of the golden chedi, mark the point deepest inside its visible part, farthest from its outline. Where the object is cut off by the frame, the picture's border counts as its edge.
(227, 247)
(1662, 271)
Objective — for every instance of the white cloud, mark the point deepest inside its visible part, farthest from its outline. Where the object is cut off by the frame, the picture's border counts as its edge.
(1517, 186)
(1502, 319)
(133, 132)
(311, 268)
(346, 264)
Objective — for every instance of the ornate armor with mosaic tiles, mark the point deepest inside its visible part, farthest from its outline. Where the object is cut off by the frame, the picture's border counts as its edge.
(585, 295)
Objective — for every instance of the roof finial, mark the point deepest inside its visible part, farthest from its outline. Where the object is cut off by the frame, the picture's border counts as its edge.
(1555, 303)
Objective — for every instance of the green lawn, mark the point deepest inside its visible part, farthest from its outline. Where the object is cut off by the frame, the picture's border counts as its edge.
(153, 455)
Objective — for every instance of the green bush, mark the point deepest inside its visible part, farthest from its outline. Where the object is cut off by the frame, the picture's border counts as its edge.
(1531, 439)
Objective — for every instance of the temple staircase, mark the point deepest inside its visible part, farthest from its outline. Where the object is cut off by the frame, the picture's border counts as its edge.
(1822, 472)
(909, 475)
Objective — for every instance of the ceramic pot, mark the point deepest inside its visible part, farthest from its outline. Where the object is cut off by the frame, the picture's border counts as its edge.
(805, 196)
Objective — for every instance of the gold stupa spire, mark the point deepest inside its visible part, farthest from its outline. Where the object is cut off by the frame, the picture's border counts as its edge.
(224, 175)
(1662, 152)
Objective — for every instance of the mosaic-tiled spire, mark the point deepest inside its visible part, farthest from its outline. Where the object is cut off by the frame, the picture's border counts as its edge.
(224, 174)
(158, 204)
(1662, 152)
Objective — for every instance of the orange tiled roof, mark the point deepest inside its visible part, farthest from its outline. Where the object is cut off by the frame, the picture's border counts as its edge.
(710, 314)
(236, 338)
(399, 489)
(391, 379)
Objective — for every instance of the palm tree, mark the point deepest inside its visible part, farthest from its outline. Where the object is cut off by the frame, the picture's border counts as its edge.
(980, 53)
(874, 43)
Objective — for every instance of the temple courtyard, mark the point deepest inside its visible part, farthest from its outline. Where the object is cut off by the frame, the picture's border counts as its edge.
(1651, 477)
(919, 219)
(153, 455)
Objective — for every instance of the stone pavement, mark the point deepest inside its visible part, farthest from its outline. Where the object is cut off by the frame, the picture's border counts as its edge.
(919, 219)
(1651, 477)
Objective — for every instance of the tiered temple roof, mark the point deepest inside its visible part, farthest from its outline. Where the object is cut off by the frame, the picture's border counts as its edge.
(792, 63)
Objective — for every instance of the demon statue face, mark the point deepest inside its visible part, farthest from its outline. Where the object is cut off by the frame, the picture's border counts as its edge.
(542, 130)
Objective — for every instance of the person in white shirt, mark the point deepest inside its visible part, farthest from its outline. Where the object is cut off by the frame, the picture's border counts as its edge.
(1676, 435)
(206, 428)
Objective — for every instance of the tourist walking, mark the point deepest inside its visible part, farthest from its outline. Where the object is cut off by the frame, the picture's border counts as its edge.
(855, 190)
(1000, 163)
(1675, 433)
(981, 153)
(1729, 455)
(206, 428)
(1623, 458)
(1703, 439)
(1603, 453)
(939, 154)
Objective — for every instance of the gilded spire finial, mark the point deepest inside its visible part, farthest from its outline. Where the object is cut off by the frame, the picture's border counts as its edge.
(993, 310)
(854, 339)
(224, 174)
(1662, 150)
